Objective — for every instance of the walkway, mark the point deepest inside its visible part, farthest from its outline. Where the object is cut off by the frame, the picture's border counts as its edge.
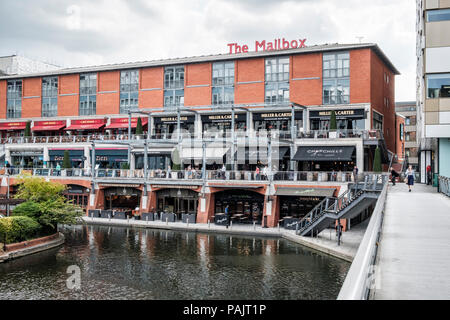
(414, 254)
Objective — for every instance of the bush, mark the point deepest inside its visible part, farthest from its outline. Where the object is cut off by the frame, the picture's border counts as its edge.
(29, 209)
(18, 229)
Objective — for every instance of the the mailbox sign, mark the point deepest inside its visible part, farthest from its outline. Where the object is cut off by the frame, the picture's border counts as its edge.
(276, 44)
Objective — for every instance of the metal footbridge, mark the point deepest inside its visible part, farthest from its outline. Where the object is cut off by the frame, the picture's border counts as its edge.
(350, 204)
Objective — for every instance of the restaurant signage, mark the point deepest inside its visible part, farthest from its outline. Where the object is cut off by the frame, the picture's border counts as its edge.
(171, 120)
(223, 118)
(161, 186)
(13, 125)
(276, 44)
(277, 116)
(340, 114)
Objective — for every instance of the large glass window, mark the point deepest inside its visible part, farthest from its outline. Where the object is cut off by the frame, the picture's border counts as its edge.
(277, 80)
(438, 15)
(438, 85)
(377, 121)
(14, 99)
(336, 78)
(50, 96)
(88, 94)
(173, 86)
(223, 83)
(129, 90)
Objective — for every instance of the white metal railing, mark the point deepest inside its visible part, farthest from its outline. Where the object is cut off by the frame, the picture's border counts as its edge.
(360, 277)
(316, 134)
(241, 175)
(444, 185)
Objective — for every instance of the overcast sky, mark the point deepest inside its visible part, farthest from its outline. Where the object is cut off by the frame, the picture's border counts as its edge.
(89, 32)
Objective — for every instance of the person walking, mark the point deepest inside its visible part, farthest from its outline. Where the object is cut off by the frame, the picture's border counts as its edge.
(409, 177)
(58, 169)
(227, 215)
(257, 173)
(428, 174)
(394, 175)
(355, 173)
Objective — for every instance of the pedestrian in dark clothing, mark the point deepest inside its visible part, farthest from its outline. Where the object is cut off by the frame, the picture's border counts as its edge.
(409, 177)
(394, 175)
(428, 174)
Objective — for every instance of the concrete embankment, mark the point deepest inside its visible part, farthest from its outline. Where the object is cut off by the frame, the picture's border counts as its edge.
(325, 242)
(17, 250)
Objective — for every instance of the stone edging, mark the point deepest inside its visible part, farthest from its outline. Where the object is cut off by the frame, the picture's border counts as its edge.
(28, 250)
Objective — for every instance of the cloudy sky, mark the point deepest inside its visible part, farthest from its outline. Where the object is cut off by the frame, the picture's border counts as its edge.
(92, 32)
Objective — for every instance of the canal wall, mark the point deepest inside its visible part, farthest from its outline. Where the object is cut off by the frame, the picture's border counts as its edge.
(325, 242)
(21, 249)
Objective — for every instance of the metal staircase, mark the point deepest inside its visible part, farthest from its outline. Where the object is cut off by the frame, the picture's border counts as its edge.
(351, 203)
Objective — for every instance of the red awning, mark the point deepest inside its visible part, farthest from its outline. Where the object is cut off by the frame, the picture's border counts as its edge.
(13, 125)
(88, 124)
(122, 123)
(48, 125)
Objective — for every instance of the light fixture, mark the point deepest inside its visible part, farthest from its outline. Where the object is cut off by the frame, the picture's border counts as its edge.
(179, 193)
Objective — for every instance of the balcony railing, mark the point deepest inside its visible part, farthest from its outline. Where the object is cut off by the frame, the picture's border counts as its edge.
(318, 134)
(170, 175)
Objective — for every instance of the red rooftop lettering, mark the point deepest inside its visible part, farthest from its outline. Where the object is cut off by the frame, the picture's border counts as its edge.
(276, 44)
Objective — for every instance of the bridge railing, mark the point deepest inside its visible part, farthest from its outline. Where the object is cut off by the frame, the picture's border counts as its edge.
(444, 185)
(360, 277)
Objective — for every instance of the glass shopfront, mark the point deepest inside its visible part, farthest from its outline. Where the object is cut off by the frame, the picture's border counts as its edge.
(157, 161)
(27, 159)
(177, 201)
(346, 119)
(110, 158)
(164, 127)
(76, 157)
(78, 195)
(280, 121)
(217, 125)
(123, 199)
(297, 207)
(244, 206)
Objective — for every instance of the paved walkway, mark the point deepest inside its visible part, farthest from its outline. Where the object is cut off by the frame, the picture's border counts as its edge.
(325, 242)
(414, 255)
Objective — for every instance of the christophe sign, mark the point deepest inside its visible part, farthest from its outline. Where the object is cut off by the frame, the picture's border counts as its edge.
(276, 44)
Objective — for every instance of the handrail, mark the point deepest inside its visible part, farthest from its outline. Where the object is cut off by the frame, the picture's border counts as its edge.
(359, 278)
(444, 185)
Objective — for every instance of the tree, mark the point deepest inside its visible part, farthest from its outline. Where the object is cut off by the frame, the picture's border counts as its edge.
(27, 132)
(333, 122)
(66, 161)
(176, 162)
(139, 129)
(377, 160)
(45, 203)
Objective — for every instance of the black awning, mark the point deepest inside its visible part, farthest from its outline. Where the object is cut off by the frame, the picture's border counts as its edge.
(324, 153)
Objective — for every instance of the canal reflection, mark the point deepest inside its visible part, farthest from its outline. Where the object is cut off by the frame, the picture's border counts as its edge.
(123, 263)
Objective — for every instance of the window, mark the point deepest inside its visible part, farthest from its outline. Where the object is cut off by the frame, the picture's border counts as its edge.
(438, 85)
(377, 121)
(173, 86)
(14, 99)
(88, 94)
(402, 129)
(50, 96)
(277, 80)
(223, 83)
(408, 121)
(336, 78)
(129, 90)
(438, 15)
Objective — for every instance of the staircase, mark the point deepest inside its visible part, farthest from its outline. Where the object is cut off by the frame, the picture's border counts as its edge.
(351, 203)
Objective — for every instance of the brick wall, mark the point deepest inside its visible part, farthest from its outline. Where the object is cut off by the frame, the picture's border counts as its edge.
(3, 90)
(68, 100)
(306, 91)
(249, 70)
(108, 88)
(32, 101)
(151, 78)
(198, 84)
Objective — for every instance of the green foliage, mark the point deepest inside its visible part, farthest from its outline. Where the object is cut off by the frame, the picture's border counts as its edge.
(27, 132)
(333, 122)
(66, 161)
(18, 229)
(139, 129)
(176, 162)
(377, 161)
(125, 166)
(45, 203)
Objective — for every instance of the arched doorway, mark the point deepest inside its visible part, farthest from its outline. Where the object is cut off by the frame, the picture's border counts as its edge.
(77, 194)
(245, 206)
(177, 201)
(122, 198)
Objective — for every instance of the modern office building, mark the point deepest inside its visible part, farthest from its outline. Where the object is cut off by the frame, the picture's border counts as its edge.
(433, 86)
(16, 65)
(285, 97)
(408, 111)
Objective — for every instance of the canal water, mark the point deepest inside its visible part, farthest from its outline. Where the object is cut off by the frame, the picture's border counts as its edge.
(125, 263)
